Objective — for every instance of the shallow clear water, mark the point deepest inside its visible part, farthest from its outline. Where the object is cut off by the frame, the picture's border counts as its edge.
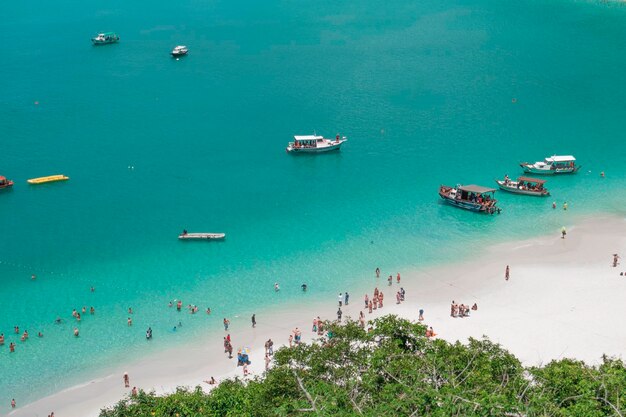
(424, 91)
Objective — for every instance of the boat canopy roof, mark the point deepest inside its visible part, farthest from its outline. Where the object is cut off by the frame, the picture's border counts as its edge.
(181, 47)
(529, 179)
(476, 189)
(308, 137)
(561, 158)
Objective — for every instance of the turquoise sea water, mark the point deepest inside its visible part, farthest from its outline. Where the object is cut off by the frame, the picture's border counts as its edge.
(424, 91)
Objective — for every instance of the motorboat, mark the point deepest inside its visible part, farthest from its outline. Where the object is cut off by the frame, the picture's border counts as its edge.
(470, 197)
(105, 38)
(5, 183)
(315, 144)
(201, 236)
(524, 186)
(178, 51)
(556, 164)
(51, 178)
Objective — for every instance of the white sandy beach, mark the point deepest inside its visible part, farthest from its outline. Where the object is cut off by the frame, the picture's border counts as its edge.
(564, 299)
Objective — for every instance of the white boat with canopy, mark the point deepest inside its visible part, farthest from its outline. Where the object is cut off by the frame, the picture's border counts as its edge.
(315, 144)
(557, 164)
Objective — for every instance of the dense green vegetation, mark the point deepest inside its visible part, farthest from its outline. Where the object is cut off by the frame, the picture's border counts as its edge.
(394, 370)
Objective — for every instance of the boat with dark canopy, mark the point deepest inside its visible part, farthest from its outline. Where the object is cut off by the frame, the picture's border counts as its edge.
(524, 186)
(470, 197)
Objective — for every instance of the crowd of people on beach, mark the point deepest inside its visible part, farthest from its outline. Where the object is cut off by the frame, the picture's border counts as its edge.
(371, 304)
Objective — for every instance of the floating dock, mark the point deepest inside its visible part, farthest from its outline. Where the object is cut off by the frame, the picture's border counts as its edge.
(51, 178)
(206, 236)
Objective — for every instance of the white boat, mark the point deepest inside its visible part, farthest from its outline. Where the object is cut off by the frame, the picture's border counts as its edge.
(180, 50)
(525, 186)
(206, 236)
(315, 144)
(557, 164)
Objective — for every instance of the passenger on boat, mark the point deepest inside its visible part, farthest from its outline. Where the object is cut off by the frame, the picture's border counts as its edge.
(507, 180)
(184, 232)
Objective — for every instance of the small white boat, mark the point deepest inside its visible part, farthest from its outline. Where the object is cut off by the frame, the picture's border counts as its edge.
(525, 186)
(206, 236)
(315, 144)
(180, 50)
(557, 164)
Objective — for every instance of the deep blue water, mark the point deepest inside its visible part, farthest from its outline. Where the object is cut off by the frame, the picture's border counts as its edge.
(424, 90)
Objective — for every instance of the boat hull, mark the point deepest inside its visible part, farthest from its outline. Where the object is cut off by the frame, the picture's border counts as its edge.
(515, 190)
(202, 236)
(530, 169)
(6, 186)
(302, 150)
(178, 55)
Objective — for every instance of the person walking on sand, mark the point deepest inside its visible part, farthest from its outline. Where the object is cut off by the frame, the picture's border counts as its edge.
(507, 273)
(226, 324)
(370, 305)
(421, 316)
(346, 298)
(267, 361)
(615, 259)
(563, 232)
(126, 380)
(367, 300)
(290, 340)
(390, 280)
(380, 299)
(340, 299)
(339, 314)
(270, 344)
(377, 272)
(253, 321)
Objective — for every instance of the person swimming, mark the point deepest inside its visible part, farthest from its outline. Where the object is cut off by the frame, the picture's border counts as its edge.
(149, 333)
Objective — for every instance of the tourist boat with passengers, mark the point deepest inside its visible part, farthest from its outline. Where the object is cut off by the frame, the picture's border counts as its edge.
(315, 144)
(105, 38)
(201, 236)
(51, 178)
(556, 164)
(524, 186)
(470, 197)
(5, 183)
(179, 51)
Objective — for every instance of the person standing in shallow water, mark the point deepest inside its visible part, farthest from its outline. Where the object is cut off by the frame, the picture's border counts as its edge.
(377, 272)
(254, 320)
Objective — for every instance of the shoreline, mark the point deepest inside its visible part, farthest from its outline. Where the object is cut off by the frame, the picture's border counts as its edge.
(556, 304)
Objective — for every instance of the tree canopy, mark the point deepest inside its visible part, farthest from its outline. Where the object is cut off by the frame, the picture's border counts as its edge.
(393, 369)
